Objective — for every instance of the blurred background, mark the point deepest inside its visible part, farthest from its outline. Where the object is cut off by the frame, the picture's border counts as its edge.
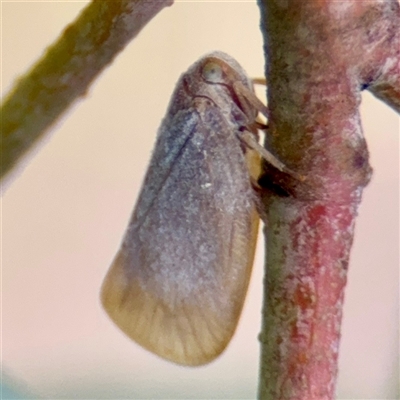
(65, 211)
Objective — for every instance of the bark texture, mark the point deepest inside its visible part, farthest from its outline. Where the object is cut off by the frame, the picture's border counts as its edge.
(320, 55)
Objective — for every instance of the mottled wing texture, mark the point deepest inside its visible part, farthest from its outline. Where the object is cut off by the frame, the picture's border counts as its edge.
(178, 283)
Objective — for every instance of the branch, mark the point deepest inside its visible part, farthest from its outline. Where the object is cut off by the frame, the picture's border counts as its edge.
(66, 70)
(320, 55)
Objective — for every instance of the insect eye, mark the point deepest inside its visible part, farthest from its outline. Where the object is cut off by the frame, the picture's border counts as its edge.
(212, 72)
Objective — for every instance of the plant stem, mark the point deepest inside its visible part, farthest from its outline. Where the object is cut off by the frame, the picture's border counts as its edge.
(66, 70)
(320, 55)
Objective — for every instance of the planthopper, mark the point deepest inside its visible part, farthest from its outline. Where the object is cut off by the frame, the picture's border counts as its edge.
(178, 283)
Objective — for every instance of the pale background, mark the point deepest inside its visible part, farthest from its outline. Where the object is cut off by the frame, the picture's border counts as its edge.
(63, 216)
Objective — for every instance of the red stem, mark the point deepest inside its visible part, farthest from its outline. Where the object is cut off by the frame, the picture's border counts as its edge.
(320, 55)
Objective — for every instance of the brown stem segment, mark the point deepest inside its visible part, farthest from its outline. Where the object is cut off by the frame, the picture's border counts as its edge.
(320, 54)
(66, 70)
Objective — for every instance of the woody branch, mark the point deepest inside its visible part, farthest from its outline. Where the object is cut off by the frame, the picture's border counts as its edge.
(66, 70)
(320, 55)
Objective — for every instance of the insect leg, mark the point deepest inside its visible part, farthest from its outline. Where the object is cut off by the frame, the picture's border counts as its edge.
(249, 100)
(259, 81)
(249, 139)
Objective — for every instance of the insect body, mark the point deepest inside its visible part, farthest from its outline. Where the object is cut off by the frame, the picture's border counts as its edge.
(178, 282)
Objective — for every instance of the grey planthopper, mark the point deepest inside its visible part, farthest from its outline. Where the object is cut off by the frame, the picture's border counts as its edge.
(178, 283)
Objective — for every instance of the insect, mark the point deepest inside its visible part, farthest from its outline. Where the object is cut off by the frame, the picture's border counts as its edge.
(178, 283)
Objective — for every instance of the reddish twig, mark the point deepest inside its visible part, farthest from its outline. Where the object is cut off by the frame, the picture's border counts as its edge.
(320, 55)
(66, 70)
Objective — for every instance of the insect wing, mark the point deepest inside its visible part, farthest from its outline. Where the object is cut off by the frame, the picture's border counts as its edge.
(178, 283)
